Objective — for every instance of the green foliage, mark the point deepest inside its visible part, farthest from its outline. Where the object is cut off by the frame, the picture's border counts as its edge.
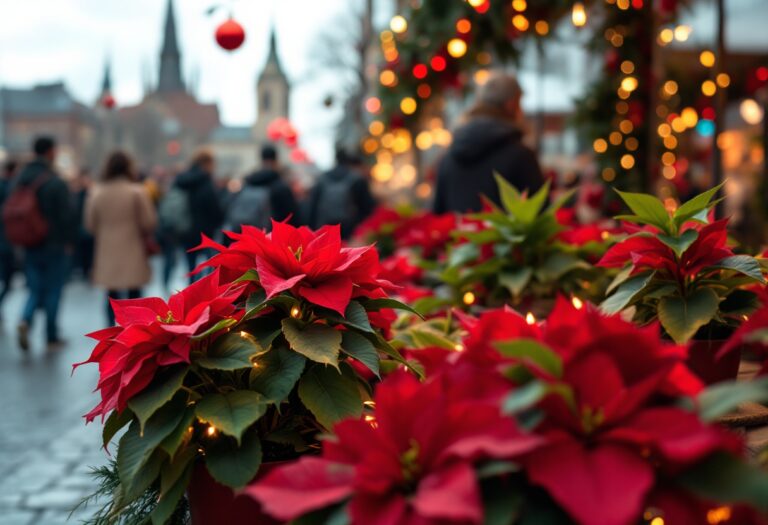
(682, 317)
(722, 398)
(162, 389)
(727, 479)
(275, 373)
(534, 353)
(317, 342)
(232, 351)
(359, 347)
(330, 394)
(231, 464)
(232, 413)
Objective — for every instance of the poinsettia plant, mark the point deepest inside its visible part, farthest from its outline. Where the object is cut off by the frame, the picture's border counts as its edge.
(514, 254)
(249, 364)
(516, 430)
(678, 268)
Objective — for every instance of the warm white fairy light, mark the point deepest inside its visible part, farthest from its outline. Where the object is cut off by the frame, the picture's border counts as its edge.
(577, 303)
(211, 431)
(295, 312)
(530, 318)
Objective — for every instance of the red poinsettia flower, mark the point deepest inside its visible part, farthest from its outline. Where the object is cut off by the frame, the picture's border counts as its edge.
(151, 334)
(383, 221)
(399, 270)
(428, 231)
(311, 264)
(413, 467)
(646, 252)
(608, 439)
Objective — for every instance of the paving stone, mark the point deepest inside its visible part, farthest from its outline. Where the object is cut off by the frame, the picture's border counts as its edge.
(10, 501)
(18, 517)
(59, 499)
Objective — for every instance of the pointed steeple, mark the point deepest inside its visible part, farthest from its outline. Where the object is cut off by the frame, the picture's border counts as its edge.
(273, 66)
(170, 57)
(106, 82)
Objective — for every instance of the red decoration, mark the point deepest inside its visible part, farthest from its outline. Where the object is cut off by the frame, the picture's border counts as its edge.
(483, 8)
(438, 63)
(299, 156)
(108, 101)
(230, 35)
(420, 71)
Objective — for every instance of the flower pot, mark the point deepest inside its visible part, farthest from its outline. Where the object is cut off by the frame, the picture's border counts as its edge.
(211, 503)
(703, 362)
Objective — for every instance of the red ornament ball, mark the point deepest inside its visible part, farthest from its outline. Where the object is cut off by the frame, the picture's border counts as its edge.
(108, 101)
(230, 35)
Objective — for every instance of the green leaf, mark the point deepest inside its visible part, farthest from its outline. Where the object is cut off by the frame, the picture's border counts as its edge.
(250, 276)
(162, 389)
(530, 351)
(681, 243)
(374, 305)
(463, 254)
(144, 478)
(621, 277)
(516, 281)
(681, 317)
(526, 210)
(172, 471)
(275, 373)
(425, 337)
(170, 498)
(232, 465)
(727, 479)
(114, 423)
(559, 264)
(174, 440)
(524, 397)
(694, 206)
(330, 396)
(357, 317)
(626, 293)
(218, 327)
(739, 302)
(264, 329)
(722, 398)
(508, 193)
(255, 303)
(231, 351)
(232, 413)
(318, 342)
(743, 264)
(136, 447)
(359, 347)
(428, 305)
(648, 209)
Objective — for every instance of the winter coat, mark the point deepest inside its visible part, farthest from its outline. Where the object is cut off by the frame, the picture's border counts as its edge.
(5, 190)
(282, 201)
(120, 216)
(55, 203)
(204, 204)
(360, 201)
(481, 147)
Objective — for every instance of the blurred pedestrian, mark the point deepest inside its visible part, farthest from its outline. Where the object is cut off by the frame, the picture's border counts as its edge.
(488, 141)
(38, 216)
(122, 219)
(205, 212)
(83, 256)
(264, 196)
(7, 259)
(341, 196)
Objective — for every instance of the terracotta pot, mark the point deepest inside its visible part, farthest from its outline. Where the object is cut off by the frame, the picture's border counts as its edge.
(703, 362)
(211, 503)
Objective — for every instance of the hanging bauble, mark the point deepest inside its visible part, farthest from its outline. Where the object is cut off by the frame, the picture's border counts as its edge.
(108, 101)
(328, 101)
(299, 156)
(230, 35)
(276, 129)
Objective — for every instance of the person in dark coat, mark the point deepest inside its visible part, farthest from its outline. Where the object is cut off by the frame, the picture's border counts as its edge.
(488, 141)
(46, 265)
(206, 211)
(280, 202)
(341, 196)
(7, 260)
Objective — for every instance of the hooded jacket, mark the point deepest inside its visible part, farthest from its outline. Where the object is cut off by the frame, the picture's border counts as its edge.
(205, 207)
(55, 203)
(282, 200)
(480, 148)
(361, 201)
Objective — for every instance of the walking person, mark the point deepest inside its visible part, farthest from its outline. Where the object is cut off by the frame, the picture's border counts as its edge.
(341, 196)
(196, 190)
(7, 259)
(122, 219)
(489, 141)
(39, 217)
(263, 197)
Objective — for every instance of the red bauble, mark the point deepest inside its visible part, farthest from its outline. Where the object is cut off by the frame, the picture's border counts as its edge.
(108, 101)
(276, 129)
(299, 156)
(230, 35)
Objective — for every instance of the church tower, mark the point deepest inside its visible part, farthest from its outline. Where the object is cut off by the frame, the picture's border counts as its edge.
(169, 80)
(272, 92)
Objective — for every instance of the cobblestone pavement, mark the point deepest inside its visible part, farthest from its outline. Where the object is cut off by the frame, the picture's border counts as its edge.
(46, 450)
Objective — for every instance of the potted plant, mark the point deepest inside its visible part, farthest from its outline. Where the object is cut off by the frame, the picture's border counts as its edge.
(678, 268)
(514, 255)
(242, 369)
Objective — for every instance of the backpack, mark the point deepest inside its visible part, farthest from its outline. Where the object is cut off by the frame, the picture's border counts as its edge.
(175, 212)
(335, 204)
(23, 220)
(252, 206)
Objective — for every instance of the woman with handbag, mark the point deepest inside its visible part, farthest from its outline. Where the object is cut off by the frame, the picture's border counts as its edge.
(122, 219)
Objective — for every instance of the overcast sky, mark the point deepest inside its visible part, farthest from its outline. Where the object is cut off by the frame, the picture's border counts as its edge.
(50, 40)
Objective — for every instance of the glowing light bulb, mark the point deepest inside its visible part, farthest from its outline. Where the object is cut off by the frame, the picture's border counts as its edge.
(459, 347)
(295, 312)
(398, 24)
(469, 298)
(530, 318)
(211, 431)
(457, 48)
(577, 303)
(751, 111)
(707, 58)
(629, 84)
(408, 105)
(579, 15)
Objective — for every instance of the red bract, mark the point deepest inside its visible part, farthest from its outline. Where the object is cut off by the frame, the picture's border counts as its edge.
(646, 252)
(311, 264)
(151, 334)
(607, 439)
(414, 466)
(430, 232)
(383, 221)
(399, 270)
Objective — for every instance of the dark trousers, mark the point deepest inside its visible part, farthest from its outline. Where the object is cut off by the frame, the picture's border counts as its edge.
(119, 294)
(7, 268)
(46, 271)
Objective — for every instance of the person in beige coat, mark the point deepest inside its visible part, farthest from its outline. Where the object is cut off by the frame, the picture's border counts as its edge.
(122, 219)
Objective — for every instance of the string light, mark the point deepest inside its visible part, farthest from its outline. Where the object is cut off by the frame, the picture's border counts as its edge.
(666, 36)
(463, 26)
(579, 15)
(690, 117)
(682, 32)
(629, 84)
(751, 111)
(408, 105)
(520, 22)
(626, 126)
(423, 91)
(670, 87)
(482, 76)
(420, 71)
(600, 146)
(530, 319)
(519, 5)
(627, 67)
(457, 48)
(707, 58)
(541, 27)
(708, 88)
(211, 431)
(627, 161)
(398, 24)
(424, 140)
(631, 144)
(438, 63)
(376, 128)
(608, 174)
(295, 312)
(577, 303)
(615, 138)
(373, 105)
(388, 78)
(469, 298)
(458, 347)
(723, 80)
(718, 515)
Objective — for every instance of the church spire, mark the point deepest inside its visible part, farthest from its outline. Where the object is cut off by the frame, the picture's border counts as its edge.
(106, 82)
(273, 65)
(170, 57)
